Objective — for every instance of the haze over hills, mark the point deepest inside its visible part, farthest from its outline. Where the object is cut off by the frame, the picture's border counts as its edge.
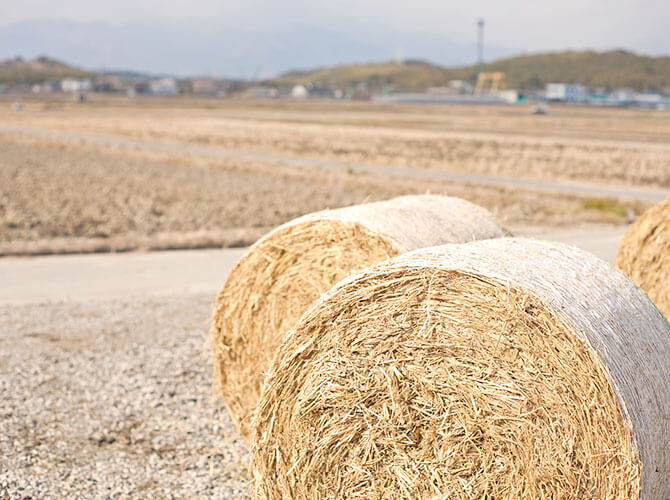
(611, 69)
(229, 51)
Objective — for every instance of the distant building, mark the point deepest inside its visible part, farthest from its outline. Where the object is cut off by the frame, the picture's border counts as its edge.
(203, 86)
(461, 86)
(623, 96)
(601, 96)
(320, 91)
(442, 91)
(299, 92)
(74, 85)
(163, 86)
(566, 92)
(512, 96)
(258, 92)
(654, 100)
(108, 83)
(46, 87)
(212, 86)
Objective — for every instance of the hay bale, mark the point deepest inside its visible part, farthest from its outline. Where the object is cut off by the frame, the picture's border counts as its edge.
(506, 368)
(644, 254)
(286, 271)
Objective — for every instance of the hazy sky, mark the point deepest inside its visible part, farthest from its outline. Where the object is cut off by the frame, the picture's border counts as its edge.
(257, 38)
(529, 26)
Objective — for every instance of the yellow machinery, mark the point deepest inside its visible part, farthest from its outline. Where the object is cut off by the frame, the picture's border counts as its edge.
(490, 83)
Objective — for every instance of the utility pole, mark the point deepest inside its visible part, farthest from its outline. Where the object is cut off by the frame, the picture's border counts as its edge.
(480, 46)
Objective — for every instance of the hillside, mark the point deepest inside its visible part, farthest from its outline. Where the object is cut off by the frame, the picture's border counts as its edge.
(616, 68)
(409, 75)
(18, 71)
(598, 69)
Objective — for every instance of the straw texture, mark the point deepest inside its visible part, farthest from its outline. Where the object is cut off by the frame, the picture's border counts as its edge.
(286, 271)
(505, 368)
(644, 254)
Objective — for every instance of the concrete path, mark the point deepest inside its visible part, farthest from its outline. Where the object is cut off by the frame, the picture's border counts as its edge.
(645, 194)
(601, 240)
(120, 276)
(114, 276)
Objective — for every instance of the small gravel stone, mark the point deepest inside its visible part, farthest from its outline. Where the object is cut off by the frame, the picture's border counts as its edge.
(113, 400)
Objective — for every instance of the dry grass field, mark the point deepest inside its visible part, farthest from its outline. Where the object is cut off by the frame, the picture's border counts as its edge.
(63, 190)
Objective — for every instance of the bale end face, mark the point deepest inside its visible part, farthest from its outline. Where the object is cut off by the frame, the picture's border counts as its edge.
(268, 291)
(424, 378)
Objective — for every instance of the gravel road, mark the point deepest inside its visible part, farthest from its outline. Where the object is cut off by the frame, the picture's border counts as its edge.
(112, 399)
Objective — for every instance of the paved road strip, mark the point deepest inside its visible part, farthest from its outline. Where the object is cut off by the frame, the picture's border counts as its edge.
(119, 276)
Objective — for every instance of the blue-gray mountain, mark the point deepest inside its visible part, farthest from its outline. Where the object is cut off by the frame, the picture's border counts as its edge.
(184, 49)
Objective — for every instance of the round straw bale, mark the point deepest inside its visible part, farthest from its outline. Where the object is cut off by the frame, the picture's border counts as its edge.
(644, 254)
(506, 368)
(287, 270)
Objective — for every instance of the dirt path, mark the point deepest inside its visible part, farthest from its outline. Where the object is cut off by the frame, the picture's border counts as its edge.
(648, 195)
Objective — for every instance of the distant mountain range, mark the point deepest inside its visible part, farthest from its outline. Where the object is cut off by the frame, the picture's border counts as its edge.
(611, 69)
(230, 51)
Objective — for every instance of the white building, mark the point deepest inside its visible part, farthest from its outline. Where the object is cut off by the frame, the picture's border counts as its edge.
(566, 92)
(648, 98)
(164, 86)
(510, 96)
(299, 92)
(623, 96)
(73, 85)
(652, 100)
(461, 86)
(46, 87)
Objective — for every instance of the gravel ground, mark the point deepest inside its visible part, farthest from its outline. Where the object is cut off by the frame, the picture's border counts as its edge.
(113, 400)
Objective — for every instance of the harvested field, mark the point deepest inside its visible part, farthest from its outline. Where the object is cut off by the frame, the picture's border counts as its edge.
(60, 196)
(53, 199)
(598, 145)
